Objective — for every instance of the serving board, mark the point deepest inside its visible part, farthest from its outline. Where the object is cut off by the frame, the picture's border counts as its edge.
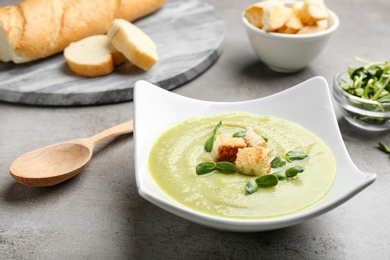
(189, 37)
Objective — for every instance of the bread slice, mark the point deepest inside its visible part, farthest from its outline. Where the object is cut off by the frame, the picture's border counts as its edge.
(93, 56)
(133, 43)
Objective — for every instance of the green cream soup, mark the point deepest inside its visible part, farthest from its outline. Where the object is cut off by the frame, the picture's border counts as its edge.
(175, 154)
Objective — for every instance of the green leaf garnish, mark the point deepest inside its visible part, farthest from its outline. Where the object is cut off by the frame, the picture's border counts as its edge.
(295, 156)
(293, 171)
(210, 142)
(265, 181)
(205, 167)
(268, 180)
(251, 186)
(281, 175)
(240, 134)
(225, 167)
(384, 147)
(278, 162)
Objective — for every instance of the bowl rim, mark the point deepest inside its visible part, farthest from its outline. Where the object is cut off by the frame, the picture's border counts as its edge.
(334, 19)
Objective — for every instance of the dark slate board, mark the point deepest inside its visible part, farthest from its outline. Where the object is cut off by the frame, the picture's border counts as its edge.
(189, 37)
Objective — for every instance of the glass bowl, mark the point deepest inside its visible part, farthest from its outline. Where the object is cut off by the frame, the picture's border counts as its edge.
(363, 113)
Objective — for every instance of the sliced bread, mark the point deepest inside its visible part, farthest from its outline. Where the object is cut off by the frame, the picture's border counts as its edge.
(133, 43)
(92, 56)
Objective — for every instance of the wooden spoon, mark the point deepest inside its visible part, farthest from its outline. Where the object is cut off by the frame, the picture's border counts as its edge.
(56, 163)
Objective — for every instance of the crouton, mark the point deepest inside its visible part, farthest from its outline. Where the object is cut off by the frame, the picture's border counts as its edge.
(254, 139)
(226, 148)
(293, 24)
(313, 11)
(287, 30)
(323, 23)
(275, 16)
(253, 161)
(297, 8)
(254, 14)
(311, 29)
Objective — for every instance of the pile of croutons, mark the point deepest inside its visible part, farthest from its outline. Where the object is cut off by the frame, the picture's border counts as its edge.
(302, 17)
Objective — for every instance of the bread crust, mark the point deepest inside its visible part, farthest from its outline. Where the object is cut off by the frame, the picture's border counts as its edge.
(92, 56)
(40, 28)
(132, 11)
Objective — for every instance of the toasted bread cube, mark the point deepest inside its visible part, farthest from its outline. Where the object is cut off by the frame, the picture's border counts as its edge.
(287, 30)
(311, 29)
(297, 8)
(226, 148)
(254, 14)
(294, 23)
(276, 14)
(253, 161)
(254, 139)
(281, 29)
(323, 23)
(313, 11)
(292, 26)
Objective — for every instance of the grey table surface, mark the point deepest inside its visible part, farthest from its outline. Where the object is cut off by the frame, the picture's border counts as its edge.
(99, 214)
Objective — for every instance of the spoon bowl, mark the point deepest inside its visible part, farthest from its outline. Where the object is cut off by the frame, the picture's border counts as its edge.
(56, 163)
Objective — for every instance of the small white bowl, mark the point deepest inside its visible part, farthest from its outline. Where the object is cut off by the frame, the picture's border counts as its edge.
(289, 52)
(157, 110)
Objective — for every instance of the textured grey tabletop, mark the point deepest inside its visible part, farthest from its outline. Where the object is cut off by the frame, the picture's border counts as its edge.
(99, 214)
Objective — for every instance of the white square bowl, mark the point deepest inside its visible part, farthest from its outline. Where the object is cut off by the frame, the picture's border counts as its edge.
(307, 104)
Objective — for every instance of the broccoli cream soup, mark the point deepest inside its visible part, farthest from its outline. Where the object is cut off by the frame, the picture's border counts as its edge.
(177, 152)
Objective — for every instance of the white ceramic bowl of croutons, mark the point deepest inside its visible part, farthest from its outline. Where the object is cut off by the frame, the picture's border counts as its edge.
(288, 53)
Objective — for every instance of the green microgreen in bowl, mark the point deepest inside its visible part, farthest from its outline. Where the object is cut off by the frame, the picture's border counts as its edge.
(370, 81)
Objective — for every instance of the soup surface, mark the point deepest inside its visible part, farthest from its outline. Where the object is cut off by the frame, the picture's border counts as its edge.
(175, 154)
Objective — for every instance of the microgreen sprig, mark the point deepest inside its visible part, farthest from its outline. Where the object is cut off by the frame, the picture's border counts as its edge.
(207, 167)
(370, 81)
(384, 147)
(210, 142)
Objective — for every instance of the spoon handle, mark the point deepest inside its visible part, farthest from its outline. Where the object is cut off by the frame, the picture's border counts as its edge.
(121, 129)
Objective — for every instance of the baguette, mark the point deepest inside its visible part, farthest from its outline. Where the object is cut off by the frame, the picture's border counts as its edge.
(36, 29)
